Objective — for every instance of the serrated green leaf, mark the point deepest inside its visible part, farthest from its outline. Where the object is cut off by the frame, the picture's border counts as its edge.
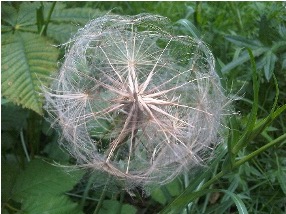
(42, 178)
(27, 62)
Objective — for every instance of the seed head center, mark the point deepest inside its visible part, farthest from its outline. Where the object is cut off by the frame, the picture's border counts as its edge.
(131, 64)
(135, 96)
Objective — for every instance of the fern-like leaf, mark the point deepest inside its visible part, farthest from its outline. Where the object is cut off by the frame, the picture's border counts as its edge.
(27, 62)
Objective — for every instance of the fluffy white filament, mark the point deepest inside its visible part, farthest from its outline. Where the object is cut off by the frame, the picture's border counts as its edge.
(136, 101)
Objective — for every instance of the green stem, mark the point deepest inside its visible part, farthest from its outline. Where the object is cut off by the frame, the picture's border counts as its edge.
(80, 196)
(245, 159)
(24, 146)
(260, 150)
(253, 115)
(87, 188)
(98, 206)
(45, 27)
(184, 198)
(11, 207)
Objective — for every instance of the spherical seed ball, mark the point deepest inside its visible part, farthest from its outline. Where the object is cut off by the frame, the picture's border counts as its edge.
(136, 101)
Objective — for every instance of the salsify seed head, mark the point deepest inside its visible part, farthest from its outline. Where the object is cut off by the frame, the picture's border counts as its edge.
(136, 101)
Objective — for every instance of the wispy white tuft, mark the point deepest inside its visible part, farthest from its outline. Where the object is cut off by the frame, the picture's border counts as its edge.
(136, 101)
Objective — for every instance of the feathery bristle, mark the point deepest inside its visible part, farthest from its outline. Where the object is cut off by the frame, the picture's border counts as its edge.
(136, 101)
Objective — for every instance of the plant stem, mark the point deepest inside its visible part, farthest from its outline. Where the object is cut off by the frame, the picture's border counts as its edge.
(11, 207)
(45, 27)
(253, 114)
(87, 188)
(98, 206)
(199, 191)
(260, 150)
(24, 146)
(80, 196)
(245, 159)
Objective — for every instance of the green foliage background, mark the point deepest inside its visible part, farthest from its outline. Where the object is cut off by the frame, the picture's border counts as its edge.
(247, 174)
